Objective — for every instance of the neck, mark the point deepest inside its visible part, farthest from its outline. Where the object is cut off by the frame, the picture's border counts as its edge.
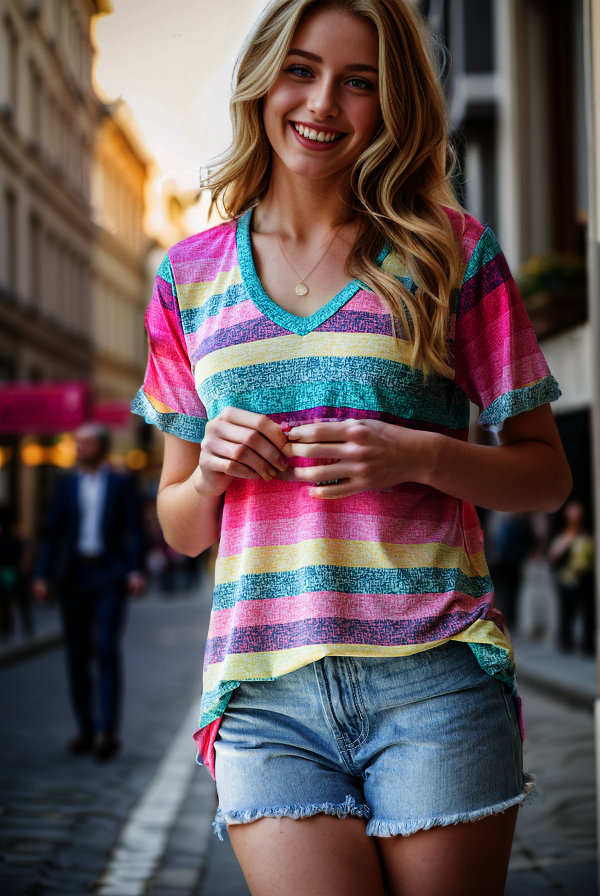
(299, 207)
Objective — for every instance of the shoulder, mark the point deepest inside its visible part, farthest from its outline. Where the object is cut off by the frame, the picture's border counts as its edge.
(193, 259)
(471, 235)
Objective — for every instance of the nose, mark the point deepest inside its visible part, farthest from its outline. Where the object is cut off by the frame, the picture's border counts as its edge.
(322, 102)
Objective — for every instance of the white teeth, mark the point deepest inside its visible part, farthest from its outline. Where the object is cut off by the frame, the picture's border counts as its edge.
(311, 134)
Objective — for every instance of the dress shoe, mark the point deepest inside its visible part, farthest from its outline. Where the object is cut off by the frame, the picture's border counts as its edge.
(106, 746)
(83, 743)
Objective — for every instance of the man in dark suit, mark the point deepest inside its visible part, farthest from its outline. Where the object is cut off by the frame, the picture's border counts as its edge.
(93, 552)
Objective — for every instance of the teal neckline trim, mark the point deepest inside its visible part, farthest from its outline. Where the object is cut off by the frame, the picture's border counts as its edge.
(301, 326)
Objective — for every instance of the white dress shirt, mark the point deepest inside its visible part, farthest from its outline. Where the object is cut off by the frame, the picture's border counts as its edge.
(91, 496)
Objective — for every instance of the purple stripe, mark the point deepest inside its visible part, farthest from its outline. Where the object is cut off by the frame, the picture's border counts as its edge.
(331, 630)
(488, 278)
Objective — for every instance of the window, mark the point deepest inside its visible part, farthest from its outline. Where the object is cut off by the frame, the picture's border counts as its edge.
(10, 203)
(35, 266)
(13, 65)
(35, 105)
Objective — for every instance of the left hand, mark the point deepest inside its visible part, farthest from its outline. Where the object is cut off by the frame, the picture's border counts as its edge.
(136, 583)
(369, 454)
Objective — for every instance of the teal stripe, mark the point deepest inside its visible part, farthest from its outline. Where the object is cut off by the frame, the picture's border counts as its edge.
(431, 409)
(486, 249)
(183, 425)
(518, 401)
(165, 271)
(495, 661)
(193, 318)
(355, 580)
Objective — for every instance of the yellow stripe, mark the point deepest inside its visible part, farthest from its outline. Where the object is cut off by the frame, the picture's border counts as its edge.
(353, 554)
(194, 295)
(273, 663)
(286, 348)
(159, 405)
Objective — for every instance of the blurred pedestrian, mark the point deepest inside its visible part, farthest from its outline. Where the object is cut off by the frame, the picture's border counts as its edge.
(92, 551)
(322, 346)
(571, 555)
(514, 540)
(15, 598)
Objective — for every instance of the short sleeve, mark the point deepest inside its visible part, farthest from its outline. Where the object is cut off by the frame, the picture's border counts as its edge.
(498, 362)
(168, 397)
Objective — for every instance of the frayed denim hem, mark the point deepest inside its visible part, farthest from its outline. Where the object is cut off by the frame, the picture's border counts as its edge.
(348, 807)
(377, 828)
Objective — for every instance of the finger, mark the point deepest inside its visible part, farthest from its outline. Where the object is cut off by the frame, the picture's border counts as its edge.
(255, 441)
(317, 449)
(237, 470)
(321, 473)
(341, 489)
(257, 422)
(319, 432)
(241, 454)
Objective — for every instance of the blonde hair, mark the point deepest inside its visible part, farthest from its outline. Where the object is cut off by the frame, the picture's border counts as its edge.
(401, 181)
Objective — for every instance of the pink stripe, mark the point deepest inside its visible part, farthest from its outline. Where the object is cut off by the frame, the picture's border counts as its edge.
(389, 530)
(200, 257)
(205, 741)
(227, 317)
(247, 500)
(367, 607)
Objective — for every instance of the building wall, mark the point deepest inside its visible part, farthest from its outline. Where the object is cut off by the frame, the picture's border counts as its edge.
(120, 283)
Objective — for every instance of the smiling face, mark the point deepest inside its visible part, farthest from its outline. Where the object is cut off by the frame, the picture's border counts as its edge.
(323, 110)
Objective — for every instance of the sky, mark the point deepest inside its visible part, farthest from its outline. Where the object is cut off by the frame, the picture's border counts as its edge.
(171, 61)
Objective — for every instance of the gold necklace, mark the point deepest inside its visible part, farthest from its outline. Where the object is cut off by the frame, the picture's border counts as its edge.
(301, 288)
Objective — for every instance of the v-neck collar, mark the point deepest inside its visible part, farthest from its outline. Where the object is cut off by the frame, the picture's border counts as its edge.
(301, 326)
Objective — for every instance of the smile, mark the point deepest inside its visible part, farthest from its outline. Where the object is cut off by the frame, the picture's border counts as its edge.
(317, 136)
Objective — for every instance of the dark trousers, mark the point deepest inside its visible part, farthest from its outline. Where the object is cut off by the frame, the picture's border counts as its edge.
(574, 601)
(93, 607)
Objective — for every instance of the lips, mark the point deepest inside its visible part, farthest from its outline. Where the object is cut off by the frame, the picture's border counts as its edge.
(316, 138)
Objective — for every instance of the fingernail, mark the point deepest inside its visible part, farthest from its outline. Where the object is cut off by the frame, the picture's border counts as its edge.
(285, 426)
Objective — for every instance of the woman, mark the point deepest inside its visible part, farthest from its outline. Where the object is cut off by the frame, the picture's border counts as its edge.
(358, 708)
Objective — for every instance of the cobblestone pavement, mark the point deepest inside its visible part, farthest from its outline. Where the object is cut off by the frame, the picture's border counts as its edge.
(140, 825)
(60, 816)
(554, 851)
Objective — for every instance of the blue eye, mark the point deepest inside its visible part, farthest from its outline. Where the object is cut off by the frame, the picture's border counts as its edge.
(299, 70)
(358, 82)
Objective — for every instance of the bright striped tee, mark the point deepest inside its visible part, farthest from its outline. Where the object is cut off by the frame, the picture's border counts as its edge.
(381, 573)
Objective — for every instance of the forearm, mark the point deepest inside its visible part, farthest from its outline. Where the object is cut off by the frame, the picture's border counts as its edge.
(190, 520)
(520, 477)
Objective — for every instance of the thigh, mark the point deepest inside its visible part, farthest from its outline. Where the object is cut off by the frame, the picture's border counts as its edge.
(469, 859)
(317, 856)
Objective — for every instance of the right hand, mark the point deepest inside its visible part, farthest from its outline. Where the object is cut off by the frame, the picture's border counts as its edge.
(239, 444)
(40, 590)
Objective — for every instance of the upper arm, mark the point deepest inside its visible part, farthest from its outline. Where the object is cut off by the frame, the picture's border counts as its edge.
(180, 460)
(538, 425)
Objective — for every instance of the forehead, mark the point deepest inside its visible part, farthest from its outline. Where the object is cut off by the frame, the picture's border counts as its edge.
(337, 34)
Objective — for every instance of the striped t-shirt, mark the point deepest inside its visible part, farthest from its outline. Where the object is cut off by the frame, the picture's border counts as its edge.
(382, 573)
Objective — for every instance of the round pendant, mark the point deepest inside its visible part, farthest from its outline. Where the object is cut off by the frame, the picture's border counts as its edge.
(301, 289)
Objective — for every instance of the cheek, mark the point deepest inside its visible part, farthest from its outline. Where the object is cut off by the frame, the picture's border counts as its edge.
(368, 120)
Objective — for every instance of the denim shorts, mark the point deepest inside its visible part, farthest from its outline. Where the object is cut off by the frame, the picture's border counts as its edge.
(405, 742)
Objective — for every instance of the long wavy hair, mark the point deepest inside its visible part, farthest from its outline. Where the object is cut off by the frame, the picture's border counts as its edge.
(400, 183)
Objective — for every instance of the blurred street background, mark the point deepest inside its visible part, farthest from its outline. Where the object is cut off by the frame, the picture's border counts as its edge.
(108, 110)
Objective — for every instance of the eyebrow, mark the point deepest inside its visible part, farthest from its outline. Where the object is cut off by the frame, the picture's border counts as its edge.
(354, 67)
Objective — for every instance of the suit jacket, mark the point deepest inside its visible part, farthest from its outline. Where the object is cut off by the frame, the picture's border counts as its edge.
(122, 530)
